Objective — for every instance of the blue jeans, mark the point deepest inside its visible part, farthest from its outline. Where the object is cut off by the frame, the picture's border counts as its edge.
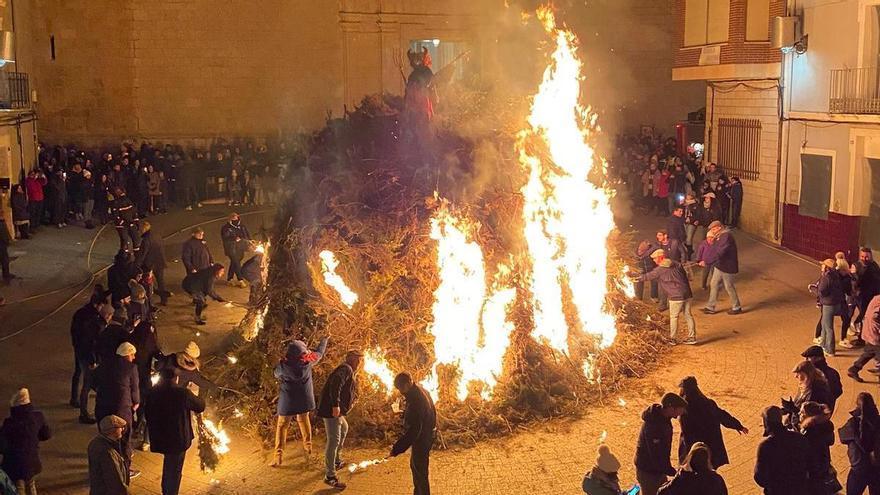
(718, 278)
(172, 471)
(337, 429)
(677, 307)
(828, 312)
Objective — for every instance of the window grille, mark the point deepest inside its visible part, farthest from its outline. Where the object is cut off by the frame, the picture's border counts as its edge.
(739, 147)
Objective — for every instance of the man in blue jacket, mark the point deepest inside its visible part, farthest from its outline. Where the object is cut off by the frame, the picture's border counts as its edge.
(296, 395)
(723, 256)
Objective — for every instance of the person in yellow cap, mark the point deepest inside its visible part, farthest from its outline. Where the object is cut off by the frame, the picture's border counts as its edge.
(119, 394)
(674, 283)
(107, 471)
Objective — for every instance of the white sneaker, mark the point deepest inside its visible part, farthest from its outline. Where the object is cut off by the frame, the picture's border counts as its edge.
(817, 341)
(845, 344)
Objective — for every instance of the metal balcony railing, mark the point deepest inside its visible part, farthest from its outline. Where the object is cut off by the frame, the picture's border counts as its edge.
(855, 91)
(15, 91)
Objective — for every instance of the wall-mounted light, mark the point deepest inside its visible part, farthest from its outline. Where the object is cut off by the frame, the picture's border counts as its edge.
(7, 47)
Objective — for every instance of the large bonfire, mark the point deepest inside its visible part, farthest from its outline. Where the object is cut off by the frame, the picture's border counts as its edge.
(508, 305)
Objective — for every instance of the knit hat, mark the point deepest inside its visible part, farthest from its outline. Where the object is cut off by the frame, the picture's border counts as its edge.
(657, 253)
(672, 400)
(107, 423)
(20, 398)
(606, 461)
(125, 349)
(192, 350)
(120, 315)
(714, 224)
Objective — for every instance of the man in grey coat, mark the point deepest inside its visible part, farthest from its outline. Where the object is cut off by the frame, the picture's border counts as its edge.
(107, 472)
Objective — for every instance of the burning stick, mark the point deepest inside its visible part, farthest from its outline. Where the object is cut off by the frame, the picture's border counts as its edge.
(365, 464)
(213, 443)
(328, 268)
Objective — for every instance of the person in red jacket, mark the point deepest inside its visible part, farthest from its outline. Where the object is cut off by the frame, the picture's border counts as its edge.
(34, 183)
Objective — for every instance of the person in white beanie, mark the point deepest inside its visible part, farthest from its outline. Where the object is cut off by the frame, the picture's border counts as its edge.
(119, 394)
(20, 436)
(186, 365)
(602, 478)
(107, 469)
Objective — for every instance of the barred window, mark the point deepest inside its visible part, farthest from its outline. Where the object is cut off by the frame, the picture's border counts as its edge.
(739, 147)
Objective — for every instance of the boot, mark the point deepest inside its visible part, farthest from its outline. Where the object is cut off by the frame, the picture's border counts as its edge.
(276, 460)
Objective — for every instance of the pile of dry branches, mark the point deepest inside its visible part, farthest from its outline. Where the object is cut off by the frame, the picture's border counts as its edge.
(364, 191)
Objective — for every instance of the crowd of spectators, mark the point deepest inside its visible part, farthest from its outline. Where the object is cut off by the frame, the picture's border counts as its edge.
(74, 186)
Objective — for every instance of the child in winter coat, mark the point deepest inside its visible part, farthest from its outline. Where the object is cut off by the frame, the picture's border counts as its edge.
(20, 438)
(602, 478)
(296, 394)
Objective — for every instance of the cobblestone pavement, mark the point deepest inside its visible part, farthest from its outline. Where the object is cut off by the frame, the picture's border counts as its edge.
(743, 362)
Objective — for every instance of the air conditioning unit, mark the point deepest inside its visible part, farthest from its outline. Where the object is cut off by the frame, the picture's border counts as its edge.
(786, 35)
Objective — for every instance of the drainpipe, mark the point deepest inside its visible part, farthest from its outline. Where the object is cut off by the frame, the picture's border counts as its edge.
(783, 132)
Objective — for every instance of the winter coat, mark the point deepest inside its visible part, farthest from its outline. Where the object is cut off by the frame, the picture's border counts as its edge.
(151, 255)
(340, 391)
(169, 417)
(723, 253)
(661, 184)
(690, 483)
(19, 204)
(835, 387)
(819, 432)
(123, 211)
(675, 250)
(736, 192)
(294, 374)
(816, 392)
(710, 214)
(107, 473)
(202, 282)
(702, 422)
(196, 255)
(646, 263)
(691, 214)
(85, 326)
(144, 339)
(655, 442)
(229, 233)
(830, 289)
(20, 438)
(34, 186)
(252, 269)
(781, 464)
(118, 276)
(419, 422)
(675, 228)
(117, 389)
(862, 438)
(702, 251)
(871, 325)
(108, 341)
(867, 278)
(595, 483)
(153, 182)
(186, 369)
(672, 279)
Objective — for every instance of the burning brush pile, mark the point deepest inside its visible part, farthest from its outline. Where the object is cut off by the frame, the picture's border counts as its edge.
(508, 305)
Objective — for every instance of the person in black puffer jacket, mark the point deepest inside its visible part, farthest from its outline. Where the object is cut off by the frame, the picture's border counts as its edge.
(20, 438)
(697, 475)
(817, 428)
(781, 465)
(655, 443)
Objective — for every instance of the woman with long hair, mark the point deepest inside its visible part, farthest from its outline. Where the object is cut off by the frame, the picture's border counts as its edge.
(696, 475)
(817, 428)
(702, 421)
(860, 434)
(812, 387)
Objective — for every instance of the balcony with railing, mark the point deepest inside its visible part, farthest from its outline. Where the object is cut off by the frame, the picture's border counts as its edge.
(855, 91)
(15, 93)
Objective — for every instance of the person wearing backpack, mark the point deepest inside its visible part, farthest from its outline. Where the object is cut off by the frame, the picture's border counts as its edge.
(861, 435)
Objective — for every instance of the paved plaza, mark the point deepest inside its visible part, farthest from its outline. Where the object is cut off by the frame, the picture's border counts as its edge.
(743, 362)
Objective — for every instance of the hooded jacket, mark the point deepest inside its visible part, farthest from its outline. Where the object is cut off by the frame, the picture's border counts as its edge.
(672, 279)
(20, 439)
(691, 483)
(862, 438)
(819, 433)
(781, 464)
(655, 442)
(296, 389)
(701, 422)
